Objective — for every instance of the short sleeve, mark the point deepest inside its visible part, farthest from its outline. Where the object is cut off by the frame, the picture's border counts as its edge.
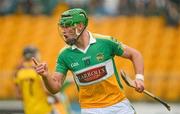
(60, 65)
(117, 47)
(17, 78)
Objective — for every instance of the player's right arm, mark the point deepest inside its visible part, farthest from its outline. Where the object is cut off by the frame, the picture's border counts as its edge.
(18, 91)
(53, 82)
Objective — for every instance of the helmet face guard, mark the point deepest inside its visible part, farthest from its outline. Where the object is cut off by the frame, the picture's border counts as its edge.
(70, 40)
(71, 18)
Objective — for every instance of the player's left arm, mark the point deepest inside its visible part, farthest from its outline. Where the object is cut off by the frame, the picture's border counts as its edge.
(138, 63)
(132, 54)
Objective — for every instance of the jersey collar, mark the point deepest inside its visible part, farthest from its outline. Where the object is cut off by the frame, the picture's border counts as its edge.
(91, 41)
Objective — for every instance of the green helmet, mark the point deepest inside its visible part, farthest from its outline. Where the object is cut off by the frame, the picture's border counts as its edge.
(72, 17)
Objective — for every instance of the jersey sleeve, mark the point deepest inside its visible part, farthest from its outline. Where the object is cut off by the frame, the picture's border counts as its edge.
(117, 47)
(60, 65)
(17, 77)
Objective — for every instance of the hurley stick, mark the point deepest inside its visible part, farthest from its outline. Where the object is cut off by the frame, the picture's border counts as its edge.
(130, 83)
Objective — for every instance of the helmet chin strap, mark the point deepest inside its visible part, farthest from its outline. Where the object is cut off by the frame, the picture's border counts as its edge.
(77, 33)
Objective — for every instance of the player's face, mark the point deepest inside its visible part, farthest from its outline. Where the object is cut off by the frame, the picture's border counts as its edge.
(68, 32)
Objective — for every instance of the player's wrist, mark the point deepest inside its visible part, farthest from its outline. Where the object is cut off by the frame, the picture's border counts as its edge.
(45, 75)
(139, 77)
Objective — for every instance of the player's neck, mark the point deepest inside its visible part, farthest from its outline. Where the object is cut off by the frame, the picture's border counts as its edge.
(83, 40)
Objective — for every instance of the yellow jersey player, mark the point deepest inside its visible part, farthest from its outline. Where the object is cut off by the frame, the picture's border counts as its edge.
(90, 57)
(29, 85)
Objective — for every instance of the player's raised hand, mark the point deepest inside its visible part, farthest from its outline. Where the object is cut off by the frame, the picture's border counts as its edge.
(41, 68)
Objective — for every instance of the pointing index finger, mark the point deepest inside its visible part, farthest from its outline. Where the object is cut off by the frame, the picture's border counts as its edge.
(35, 61)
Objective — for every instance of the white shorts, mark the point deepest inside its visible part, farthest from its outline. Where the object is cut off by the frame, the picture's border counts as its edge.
(123, 107)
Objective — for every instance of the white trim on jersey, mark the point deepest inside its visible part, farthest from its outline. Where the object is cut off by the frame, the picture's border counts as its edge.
(91, 41)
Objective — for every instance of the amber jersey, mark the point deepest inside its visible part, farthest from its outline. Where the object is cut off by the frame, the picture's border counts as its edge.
(94, 71)
(33, 93)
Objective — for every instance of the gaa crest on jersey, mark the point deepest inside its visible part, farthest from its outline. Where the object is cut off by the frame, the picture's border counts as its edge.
(86, 60)
(100, 56)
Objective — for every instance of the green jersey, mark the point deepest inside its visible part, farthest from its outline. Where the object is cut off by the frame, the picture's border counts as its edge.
(94, 70)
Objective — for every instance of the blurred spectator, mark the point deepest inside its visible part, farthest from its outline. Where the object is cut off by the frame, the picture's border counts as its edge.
(8, 6)
(111, 7)
(48, 6)
(124, 6)
(171, 13)
(168, 8)
(84, 4)
(27, 6)
(96, 7)
(37, 6)
(140, 6)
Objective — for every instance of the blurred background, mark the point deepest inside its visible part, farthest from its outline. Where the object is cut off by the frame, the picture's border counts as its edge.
(151, 26)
